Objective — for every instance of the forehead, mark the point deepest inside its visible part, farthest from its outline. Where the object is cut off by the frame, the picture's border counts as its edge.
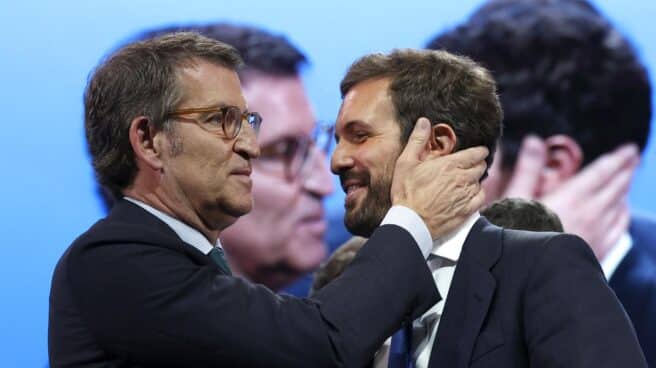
(283, 104)
(367, 102)
(205, 84)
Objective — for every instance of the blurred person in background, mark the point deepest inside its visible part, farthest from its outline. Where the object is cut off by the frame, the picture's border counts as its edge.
(577, 109)
(337, 263)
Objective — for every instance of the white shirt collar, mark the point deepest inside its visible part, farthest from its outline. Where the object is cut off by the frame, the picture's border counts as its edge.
(450, 245)
(186, 233)
(616, 254)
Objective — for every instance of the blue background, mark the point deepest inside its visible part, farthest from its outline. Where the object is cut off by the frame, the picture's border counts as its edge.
(47, 52)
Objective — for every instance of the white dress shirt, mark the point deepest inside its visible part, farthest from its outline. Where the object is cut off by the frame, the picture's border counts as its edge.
(442, 261)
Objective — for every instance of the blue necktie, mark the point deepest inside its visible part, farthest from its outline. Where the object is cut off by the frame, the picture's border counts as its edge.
(400, 354)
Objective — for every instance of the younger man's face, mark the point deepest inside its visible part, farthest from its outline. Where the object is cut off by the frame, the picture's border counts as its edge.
(368, 144)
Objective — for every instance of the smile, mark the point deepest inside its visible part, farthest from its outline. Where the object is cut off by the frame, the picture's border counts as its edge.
(352, 193)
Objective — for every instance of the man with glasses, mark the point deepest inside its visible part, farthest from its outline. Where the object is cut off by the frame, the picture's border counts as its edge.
(171, 134)
(281, 240)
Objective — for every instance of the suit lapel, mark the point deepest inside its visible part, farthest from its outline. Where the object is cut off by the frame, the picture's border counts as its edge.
(469, 298)
(128, 222)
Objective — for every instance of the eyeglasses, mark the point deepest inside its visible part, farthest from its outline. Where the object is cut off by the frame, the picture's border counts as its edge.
(226, 119)
(290, 157)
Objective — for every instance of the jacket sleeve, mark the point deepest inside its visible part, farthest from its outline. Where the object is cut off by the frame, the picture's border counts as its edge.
(153, 306)
(572, 317)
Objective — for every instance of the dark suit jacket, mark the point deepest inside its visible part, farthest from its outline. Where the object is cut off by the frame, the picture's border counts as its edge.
(525, 299)
(130, 293)
(634, 282)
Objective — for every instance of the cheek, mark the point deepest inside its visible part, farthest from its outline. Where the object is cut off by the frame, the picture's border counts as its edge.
(379, 162)
(274, 200)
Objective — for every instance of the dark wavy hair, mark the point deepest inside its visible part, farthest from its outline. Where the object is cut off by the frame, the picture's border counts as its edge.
(561, 68)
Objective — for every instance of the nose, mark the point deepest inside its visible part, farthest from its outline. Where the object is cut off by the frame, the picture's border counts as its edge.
(317, 180)
(341, 160)
(246, 143)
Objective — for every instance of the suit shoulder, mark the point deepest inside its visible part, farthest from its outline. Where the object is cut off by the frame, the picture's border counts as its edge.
(530, 245)
(539, 241)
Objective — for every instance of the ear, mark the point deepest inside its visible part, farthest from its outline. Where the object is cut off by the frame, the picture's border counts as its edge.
(142, 139)
(564, 159)
(443, 139)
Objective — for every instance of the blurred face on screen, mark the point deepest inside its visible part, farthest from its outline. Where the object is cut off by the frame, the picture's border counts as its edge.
(282, 237)
(369, 142)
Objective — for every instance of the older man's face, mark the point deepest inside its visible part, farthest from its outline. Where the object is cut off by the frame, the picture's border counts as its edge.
(282, 238)
(368, 146)
(206, 172)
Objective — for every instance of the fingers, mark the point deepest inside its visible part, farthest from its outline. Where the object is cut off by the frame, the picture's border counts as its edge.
(467, 158)
(531, 160)
(473, 174)
(462, 204)
(468, 165)
(597, 174)
(417, 141)
(614, 191)
(477, 201)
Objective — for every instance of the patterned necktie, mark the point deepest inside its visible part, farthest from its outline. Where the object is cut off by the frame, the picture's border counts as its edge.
(218, 256)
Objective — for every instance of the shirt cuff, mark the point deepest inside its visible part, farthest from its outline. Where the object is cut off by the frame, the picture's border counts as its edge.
(409, 220)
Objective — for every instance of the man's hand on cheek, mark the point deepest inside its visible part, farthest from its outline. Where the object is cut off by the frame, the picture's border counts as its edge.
(444, 190)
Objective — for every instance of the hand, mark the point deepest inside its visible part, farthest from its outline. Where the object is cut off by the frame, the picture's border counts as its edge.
(590, 204)
(444, 190)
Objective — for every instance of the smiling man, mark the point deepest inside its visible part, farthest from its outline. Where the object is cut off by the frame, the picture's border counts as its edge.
(171, 134)
(508, 298)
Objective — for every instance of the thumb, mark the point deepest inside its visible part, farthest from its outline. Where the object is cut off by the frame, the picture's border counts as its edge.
(417, 142)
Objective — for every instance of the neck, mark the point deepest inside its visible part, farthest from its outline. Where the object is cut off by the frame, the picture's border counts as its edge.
(179, 209)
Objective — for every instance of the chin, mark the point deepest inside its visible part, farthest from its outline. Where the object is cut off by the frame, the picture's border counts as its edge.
(240, 208)
(360, 225)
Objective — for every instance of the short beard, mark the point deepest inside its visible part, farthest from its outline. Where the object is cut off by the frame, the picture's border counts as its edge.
(365, 218)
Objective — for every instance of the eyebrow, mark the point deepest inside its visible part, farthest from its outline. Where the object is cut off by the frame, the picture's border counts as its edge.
(206, 109)
(352, 124)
